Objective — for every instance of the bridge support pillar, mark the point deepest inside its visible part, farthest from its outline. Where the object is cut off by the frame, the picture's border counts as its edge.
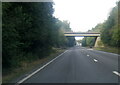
(98, 42)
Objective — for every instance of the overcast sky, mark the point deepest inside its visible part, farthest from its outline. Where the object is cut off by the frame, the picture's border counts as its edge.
(83, 14)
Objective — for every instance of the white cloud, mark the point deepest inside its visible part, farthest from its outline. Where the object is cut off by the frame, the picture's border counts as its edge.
(83, 14)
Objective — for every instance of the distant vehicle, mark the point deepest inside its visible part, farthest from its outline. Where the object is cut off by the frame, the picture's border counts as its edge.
(90, 46)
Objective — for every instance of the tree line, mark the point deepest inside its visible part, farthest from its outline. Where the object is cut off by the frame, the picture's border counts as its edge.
(109, 29)
(30, 31)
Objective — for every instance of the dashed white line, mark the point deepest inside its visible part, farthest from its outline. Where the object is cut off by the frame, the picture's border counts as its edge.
(95, 60)
(115, 72)
(24, 79)
(88, 55)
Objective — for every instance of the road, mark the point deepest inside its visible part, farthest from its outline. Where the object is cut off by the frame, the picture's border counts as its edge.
(80, 65)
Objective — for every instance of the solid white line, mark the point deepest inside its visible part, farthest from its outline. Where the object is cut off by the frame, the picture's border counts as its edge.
(21, 81)
(115, 72)
(107, 52)
(95, 60)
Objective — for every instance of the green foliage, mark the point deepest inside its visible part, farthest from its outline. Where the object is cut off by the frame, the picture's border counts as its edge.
(110, 33)
(30, 31)
(97, 28)
(71, 41)
(63, 41)
(91, 41)
(84, 42)
(110, 30)
(88, 41)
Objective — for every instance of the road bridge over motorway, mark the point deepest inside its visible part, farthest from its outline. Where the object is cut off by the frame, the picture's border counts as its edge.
(84, 34)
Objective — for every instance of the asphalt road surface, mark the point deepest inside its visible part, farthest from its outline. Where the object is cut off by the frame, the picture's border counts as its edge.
(80, 65)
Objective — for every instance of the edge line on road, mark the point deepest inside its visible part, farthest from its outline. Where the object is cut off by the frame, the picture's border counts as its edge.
(106, 52)
(24, 79)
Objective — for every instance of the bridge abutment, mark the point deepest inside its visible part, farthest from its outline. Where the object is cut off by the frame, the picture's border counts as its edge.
(98, 42)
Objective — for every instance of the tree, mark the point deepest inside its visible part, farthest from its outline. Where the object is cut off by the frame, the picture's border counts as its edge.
(30, 31)
(110, 32)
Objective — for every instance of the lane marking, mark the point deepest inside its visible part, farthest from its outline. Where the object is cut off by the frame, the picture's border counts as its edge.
(107, 52)
(88, 55)
(95, 60)
(24, 79)
(89, 49)
(115, 72)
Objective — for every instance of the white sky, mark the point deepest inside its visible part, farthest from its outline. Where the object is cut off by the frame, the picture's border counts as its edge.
(83, 14)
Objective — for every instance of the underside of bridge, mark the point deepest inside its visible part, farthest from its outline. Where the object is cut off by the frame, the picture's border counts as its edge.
(84, 34)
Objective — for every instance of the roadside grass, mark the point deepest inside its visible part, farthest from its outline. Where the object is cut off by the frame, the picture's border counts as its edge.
(28, 66)
(108, 49)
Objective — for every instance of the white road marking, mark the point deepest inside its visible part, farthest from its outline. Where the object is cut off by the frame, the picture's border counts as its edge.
(89, 49)
(95, 60)
(107, 52)
(115, 72)
(24, 79)
(88, 55)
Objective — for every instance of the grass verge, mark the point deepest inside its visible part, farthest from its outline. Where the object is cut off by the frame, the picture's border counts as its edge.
(28, 66)
(108, 49)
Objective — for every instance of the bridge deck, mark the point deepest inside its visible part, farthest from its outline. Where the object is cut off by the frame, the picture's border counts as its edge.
(78, 34)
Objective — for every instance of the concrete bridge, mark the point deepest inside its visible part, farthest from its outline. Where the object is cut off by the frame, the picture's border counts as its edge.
(84, 34)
